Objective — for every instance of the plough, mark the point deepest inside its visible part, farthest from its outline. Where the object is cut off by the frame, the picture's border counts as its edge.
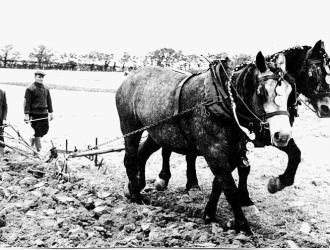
(60, 156)
(92, 153)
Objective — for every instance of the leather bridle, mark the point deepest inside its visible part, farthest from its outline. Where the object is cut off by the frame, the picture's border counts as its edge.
(259, 120)
(318, 67)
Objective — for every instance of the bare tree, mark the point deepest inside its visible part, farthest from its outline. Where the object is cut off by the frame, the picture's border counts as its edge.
(125, 59)
(164, 57)
(42, 55)
(7, 54)
(67, 57)
(106, 58)
(241, 59)
(194, 62)
(96, 57)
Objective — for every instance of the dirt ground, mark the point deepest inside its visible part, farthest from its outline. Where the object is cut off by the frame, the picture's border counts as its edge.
(39, 210)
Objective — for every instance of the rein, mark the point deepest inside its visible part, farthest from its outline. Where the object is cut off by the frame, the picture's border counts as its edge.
(307, 105)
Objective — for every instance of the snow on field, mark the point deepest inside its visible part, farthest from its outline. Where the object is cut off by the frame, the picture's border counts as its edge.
(80, 116)
(85, 79)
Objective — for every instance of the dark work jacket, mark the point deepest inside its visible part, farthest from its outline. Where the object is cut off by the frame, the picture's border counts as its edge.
(3, 106)
(37, 99)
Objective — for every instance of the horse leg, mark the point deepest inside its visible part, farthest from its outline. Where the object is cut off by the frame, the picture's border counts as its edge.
(130, 162)
(148, 147)
(287, 178)
(192, 181)
(165, 174)
(243, 172)
(226, 183)
(211, 206)
(246, 203)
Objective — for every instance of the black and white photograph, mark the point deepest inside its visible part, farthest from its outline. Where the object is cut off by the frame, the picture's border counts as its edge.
(164, 124)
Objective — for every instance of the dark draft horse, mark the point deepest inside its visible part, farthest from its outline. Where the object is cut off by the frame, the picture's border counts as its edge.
(310, 67)
(147, 96)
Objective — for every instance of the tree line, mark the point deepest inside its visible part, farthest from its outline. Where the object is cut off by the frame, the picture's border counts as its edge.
(42, 57)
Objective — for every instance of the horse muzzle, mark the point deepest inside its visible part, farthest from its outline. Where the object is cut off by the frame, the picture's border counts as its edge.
(281, 138)
(323, 107)
(280, 130)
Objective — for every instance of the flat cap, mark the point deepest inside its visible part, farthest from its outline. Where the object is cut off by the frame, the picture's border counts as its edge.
(39, 72)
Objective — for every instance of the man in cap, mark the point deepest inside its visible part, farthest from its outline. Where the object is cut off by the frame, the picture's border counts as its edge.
(37, 107)
(3, 116)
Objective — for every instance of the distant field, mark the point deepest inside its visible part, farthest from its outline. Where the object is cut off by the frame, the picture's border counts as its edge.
(67, 80)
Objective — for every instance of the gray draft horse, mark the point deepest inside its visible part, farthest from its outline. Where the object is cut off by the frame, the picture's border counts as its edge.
(147, 96)
(310, 67)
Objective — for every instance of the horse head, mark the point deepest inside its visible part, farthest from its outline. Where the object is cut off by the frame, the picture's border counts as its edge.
(316, 76)
(273, 90)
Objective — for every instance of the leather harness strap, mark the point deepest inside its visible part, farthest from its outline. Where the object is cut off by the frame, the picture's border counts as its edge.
(178, 93)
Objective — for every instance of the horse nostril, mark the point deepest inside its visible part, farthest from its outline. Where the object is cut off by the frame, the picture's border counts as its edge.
(325, 109)
(280, 137)
(277, 136)
(284, 138)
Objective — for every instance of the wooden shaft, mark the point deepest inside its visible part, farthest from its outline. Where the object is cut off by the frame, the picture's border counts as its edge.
(94, 152)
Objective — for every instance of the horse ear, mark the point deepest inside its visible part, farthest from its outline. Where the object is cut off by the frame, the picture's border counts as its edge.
(261, 62)
(319, 45)
(281, 62)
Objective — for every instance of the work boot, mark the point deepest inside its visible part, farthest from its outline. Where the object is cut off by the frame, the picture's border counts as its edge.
(37, 143)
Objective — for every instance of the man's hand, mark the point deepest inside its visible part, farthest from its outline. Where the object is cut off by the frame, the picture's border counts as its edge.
(51, 117)
(4, 122)
(27, 118)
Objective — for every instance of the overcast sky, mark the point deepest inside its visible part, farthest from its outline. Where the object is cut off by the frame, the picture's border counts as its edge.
(141, 26)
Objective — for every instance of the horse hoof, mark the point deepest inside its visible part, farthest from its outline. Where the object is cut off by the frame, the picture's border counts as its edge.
(194, 192)
(160, 184)
(148, 188)
(136, 198)
(209, 218)
(250, 210)
(233, 225)
(133, 198)
(274, 185)
(145, 201)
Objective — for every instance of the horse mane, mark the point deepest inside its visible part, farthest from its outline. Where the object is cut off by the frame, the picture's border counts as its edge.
(244, 80)
(298, 48)
(242, 65)
(293, 56)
